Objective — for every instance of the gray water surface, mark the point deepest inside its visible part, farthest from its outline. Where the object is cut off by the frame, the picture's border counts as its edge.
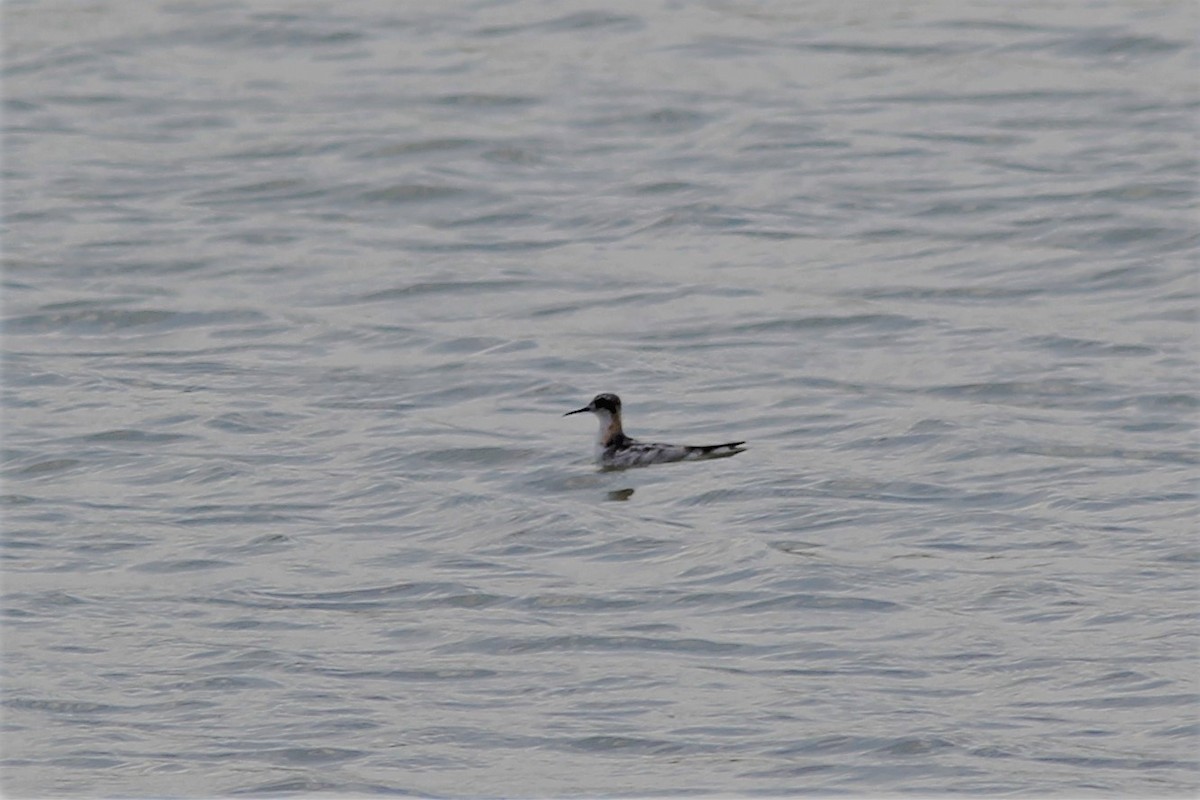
(295, 295)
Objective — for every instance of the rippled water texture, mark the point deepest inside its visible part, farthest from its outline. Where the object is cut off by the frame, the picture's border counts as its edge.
(295, 296)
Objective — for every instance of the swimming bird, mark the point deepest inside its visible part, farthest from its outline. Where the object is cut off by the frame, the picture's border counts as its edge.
(615, 450)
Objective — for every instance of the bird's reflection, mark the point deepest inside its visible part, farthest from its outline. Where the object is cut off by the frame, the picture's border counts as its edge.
(620, 494)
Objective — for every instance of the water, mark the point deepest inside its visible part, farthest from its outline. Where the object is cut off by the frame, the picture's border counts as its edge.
(295, 295)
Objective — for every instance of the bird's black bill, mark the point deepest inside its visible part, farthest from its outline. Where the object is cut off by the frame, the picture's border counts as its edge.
(577, 411)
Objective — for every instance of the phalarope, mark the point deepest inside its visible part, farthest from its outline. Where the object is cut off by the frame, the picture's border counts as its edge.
(617, 451)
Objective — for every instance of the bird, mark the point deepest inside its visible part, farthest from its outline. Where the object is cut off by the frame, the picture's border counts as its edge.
(615, 450)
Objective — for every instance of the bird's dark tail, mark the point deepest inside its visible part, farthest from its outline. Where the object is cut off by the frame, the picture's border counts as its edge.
(720, 450)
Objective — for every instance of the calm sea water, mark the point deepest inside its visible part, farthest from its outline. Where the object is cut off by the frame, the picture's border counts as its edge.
(296, 293)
